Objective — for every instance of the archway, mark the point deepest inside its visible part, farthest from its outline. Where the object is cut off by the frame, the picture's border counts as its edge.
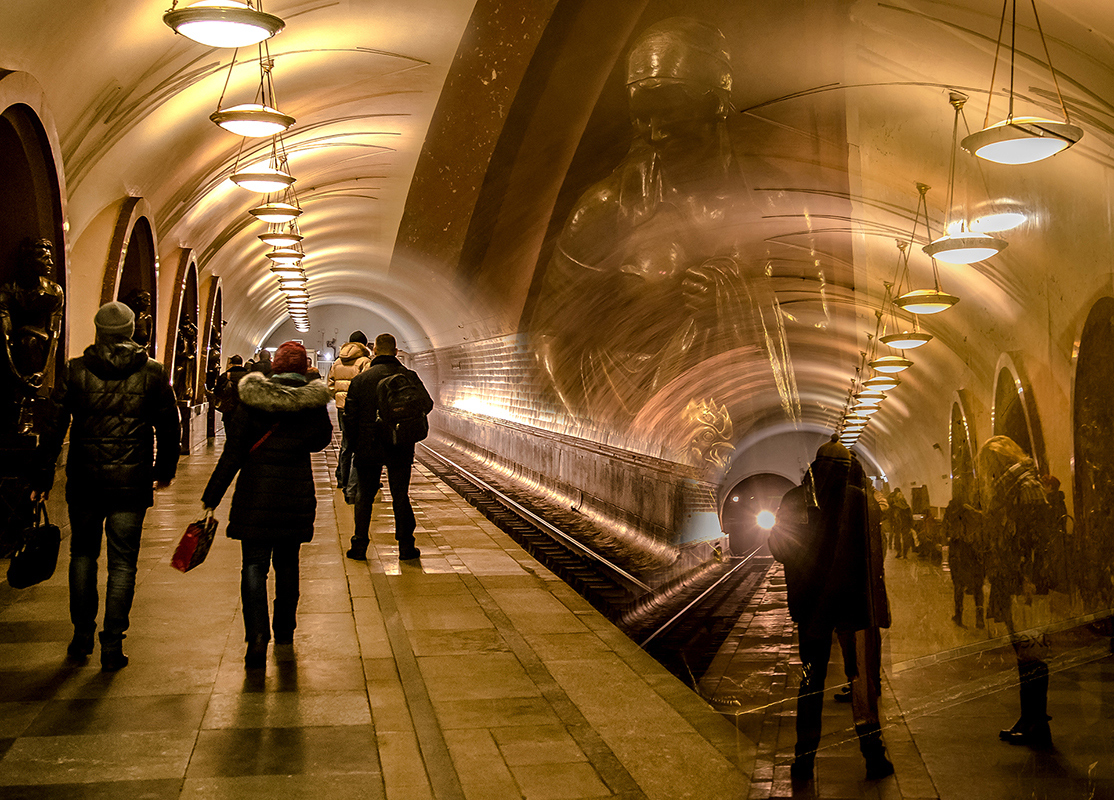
(1014, 414)
(1093, 423)
(748, 510)
(131, 274)
(964, 446)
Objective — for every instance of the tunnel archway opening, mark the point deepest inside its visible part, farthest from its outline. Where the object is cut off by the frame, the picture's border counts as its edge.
(749, 510)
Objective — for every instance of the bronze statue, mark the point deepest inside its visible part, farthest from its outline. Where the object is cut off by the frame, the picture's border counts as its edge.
(185, 361)
(139, 301)
(30, 324)
(646, 278)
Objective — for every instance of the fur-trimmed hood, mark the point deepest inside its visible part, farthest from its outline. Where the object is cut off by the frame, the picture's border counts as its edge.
(258, 391)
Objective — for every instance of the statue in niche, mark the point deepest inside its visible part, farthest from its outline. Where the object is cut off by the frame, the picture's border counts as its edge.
(212, 359)
(185, 361)
(139, 301)
(30, 323)
(646, 279)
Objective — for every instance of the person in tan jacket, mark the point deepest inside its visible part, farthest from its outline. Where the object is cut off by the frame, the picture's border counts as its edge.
(354, 358)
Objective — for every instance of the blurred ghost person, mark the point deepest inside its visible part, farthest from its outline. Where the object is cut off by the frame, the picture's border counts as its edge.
(829, 538)
(1015, 551)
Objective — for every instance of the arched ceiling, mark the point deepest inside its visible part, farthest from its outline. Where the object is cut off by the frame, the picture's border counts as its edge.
(439, 145)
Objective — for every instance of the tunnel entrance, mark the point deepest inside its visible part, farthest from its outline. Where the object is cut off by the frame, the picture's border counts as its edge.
(749, 508)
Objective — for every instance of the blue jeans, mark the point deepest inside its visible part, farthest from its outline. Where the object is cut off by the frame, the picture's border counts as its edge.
(258, 557)
(122, 528)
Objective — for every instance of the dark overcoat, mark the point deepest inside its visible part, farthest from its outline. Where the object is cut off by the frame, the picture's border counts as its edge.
(277, 424)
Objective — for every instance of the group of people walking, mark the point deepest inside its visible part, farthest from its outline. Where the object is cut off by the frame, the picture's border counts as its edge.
(118, 407)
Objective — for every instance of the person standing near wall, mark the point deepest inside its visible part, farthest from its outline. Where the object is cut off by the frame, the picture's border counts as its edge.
(353, 359)
(280, 420)
(120, 411)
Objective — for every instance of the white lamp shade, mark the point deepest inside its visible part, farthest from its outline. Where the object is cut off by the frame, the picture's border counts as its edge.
(292, 283)
(252, 120)
(1022, 140)
(871, 396)
(263, 179)
(998, 221)
(882, 383)
(282, 271)
(965, 248)
(285, 255)
(926, 301)
(890, 364)
(906, 340)
(223, 23)
(280, 238)
(866, 409)
(275, 213)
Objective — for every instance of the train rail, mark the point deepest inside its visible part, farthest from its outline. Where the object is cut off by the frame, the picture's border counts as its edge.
(681, 623)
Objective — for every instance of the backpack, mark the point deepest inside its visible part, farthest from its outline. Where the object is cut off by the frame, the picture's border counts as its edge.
(403, 405)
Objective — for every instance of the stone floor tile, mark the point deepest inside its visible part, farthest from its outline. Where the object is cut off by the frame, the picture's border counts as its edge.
(537, 744)
(151, 755)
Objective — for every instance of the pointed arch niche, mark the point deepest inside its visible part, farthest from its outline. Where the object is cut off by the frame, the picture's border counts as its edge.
(1093, 448)
(131, 272)
(180, 355)
(32, 190)
(1014, 413)
(964, 446)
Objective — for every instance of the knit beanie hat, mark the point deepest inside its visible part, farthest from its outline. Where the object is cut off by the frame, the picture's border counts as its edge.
(115, 319)
(833, 449)
(290, 357)
(358, 336)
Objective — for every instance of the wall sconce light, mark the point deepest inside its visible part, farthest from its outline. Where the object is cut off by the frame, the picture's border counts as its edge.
(1021, 140)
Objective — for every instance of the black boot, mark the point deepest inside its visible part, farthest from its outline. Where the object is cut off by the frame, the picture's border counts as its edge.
(81, 647)
(112, 653)
(874, 752)
(256, 656)
(358, 549)
(1032, 729)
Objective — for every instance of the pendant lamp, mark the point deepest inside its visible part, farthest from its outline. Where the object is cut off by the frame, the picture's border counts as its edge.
(882, 383)
(281, 237)
(222, 23)
(925, 301)
(258, 118)
(890, 364)
(1027, 139)
(276, 213)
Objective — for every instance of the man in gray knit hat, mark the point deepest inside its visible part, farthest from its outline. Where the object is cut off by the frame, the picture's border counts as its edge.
(120, 411)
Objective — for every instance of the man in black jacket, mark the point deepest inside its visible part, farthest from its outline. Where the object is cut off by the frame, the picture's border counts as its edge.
(120, 411)
(372, 449)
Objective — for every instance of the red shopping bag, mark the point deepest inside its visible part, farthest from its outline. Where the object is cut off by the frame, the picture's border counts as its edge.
(195, 544)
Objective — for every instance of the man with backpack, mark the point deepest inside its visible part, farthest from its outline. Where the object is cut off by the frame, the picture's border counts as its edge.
(384, 416)
(226, 395)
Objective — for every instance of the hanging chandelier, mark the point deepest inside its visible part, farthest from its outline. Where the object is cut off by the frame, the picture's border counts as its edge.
(222, 23)
(1021, 140)
(258, 118)
(281, 237)
(882, 383)
(276, 213)
(964, 246)
(890, 364)
(265, 179)
(925, 301)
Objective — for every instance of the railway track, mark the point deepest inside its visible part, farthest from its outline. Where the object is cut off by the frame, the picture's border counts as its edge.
(681, 624)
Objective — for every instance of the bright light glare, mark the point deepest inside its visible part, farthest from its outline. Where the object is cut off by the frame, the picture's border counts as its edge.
(765, 520)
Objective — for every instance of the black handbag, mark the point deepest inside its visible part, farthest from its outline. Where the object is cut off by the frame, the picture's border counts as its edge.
(37, 556)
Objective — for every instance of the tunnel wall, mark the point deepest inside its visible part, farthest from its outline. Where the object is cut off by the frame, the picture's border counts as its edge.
(492, 405)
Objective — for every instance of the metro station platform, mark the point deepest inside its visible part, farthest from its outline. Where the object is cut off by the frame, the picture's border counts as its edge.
(476, 673)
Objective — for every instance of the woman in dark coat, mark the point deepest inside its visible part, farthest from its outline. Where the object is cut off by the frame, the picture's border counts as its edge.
(279, 421)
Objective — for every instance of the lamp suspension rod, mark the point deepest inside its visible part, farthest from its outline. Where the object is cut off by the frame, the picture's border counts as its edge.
(1048, 57)
(957, 100)
(1013, 53)
(227, 78)
(994, 69)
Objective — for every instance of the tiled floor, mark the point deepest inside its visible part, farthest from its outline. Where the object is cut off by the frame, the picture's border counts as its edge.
(472, 673)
